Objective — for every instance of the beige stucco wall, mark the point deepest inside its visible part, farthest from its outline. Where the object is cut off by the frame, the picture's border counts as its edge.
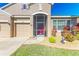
(4, 17)
(16, 9)
(4, 25)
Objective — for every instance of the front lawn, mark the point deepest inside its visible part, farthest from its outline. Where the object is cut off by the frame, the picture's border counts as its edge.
(38, 50)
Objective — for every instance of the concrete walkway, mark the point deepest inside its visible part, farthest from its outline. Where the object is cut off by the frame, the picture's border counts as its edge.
(34, 40)
(9, 45)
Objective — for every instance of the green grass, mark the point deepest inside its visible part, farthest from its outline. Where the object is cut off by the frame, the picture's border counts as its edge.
(38, 50)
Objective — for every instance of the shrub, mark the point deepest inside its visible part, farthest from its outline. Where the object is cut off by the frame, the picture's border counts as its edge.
(77, 36)
(52, 39)
(69, 37)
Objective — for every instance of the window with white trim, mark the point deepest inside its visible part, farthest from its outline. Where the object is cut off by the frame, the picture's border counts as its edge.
(60, 23)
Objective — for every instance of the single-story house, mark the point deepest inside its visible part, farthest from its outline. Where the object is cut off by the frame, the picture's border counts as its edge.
(29, 20)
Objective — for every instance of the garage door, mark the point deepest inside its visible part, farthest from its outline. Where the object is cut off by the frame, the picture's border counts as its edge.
(23, 30)
(4, 30)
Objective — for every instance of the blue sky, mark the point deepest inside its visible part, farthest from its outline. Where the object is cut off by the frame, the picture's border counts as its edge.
(2, 4)
(61, 9)
(65, 9)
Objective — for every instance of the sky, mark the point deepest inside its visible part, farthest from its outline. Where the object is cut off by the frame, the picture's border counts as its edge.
(2, 4)
(65, 9)
(61, 9)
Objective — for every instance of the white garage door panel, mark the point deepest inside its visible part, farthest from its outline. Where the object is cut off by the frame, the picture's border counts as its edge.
(23, 30)
(4, 30)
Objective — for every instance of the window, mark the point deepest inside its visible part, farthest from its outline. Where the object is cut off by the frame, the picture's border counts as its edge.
(25, 6)
(60, 23)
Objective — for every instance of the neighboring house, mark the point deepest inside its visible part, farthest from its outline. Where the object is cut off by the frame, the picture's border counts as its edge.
(33, 19)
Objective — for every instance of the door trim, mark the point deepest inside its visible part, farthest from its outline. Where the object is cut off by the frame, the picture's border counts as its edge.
(35, 24)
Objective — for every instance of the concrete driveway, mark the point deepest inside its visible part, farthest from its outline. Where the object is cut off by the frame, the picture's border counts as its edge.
(9, 45)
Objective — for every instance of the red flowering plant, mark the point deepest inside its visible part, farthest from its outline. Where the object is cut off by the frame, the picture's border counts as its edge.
(74, 29)
(77, 27)
(67, 28)
(67, 34)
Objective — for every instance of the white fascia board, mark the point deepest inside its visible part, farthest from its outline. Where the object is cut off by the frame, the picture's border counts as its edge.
(5, 12)
(61, 16)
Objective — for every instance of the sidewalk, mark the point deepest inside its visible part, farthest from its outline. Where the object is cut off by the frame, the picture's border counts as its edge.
(34, 40)
(9, 45)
